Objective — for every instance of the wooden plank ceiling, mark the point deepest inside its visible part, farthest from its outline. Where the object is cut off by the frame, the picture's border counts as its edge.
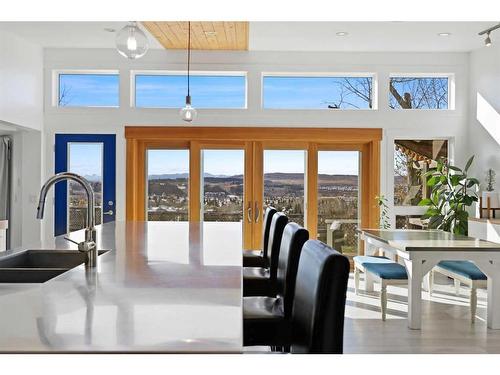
(204, 35)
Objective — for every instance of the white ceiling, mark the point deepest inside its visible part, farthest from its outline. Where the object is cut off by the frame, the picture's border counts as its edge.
(284, 36)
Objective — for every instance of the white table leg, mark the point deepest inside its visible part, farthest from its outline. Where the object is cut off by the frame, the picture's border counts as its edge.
(493, 309)
(492, 270)
(415, 275)
(369, 282)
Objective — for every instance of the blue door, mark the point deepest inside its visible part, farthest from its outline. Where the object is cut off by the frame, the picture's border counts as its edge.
(92, 156)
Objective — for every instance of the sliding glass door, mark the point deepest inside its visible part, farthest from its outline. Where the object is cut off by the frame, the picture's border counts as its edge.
(323, 179)
(339, 199)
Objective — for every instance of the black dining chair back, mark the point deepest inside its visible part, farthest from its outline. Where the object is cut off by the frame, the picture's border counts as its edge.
(294, 237)
(319, 302)
(266, 227)
(278, 222)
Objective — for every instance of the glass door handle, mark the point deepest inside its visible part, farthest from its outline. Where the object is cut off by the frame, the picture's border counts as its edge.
(110, 212)
(249, 212)
(257, 212)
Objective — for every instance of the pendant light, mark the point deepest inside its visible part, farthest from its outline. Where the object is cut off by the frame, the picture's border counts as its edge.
(188, 113)
(131, 42)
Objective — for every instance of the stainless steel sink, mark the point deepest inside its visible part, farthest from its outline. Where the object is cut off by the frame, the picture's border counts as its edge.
(39, 266)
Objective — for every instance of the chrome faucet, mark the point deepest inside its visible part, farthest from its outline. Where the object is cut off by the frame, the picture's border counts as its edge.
(88, 246)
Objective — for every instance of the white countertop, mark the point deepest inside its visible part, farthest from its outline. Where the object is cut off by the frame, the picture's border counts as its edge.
(164, 287)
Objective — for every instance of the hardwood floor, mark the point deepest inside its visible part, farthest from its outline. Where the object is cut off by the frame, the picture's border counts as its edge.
(446, 326)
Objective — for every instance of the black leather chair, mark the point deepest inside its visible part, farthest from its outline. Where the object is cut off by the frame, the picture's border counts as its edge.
(294, 237)
(260, 281)
(258, 258)
(316, 324)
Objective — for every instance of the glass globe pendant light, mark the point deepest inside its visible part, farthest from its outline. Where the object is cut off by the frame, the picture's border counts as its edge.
(131, 42)
(188, 113)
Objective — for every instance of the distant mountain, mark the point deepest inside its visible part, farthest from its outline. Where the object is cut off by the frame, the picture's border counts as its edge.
(275, 176)
(92, 177)
(173, 176)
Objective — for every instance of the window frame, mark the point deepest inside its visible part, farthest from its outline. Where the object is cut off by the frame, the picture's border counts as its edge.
(222, 73)
(360, 74)
(56, 73)
(389, 164)
(451, 90)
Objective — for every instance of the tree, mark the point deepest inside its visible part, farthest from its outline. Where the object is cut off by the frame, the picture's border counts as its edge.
(64, 96)
(405, 93)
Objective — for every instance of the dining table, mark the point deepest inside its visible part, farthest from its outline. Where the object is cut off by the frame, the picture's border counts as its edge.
(421, 250)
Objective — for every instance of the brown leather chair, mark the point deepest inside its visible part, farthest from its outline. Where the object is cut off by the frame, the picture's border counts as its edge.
(316, 324)
(260, 281)
(258, 258)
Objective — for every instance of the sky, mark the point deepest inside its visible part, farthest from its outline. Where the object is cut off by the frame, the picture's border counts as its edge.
(85, 158)
(211, 92)
(231, 162)
(308, 93)
(96, 90)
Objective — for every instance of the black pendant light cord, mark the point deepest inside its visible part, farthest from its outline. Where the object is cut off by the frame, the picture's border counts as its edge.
(189, 55)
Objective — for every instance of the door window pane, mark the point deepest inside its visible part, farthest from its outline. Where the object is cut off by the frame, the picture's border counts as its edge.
(412, 158)
(284, 182)
(411, 222)
(85, 159)
(338, 199)
(167, 187)
(89, 90)
(223, 185)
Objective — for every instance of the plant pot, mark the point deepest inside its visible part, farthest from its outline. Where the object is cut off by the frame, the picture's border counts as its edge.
(494, 199)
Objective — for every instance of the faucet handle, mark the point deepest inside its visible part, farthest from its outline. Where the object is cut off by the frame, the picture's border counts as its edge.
(71, 240)
(85, 246)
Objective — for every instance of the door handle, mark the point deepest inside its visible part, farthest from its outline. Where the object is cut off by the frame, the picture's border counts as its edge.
(249, 212)
(110, 213)
(257, 212)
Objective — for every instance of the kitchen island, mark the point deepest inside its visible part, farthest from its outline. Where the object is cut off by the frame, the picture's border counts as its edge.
(165, 287)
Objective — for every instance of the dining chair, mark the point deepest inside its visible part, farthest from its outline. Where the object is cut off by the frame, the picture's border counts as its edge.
(258, 258)
(261, 281)
(316, 323)
(294, 237)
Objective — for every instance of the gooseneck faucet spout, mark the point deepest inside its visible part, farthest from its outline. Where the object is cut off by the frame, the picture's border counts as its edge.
(89, 245)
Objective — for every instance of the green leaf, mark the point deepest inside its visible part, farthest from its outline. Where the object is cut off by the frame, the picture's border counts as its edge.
(453, 168)
(469, 163)
(432, 181)
(425, 202)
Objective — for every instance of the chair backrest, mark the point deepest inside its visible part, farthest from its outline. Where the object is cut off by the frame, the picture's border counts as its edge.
(266, 226)
(294, 237)
(319, 300)
(278, 223)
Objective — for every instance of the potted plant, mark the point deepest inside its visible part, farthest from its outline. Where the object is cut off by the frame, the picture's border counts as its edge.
(489, 190)
(452, 192)
(385, 221)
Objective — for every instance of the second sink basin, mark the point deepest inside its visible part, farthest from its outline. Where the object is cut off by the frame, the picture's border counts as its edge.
(38, 266)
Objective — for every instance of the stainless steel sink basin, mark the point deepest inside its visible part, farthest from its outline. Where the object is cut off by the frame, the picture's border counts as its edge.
(38, 266)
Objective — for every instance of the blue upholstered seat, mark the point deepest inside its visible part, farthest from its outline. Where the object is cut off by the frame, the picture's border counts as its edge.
(387, 271)
(363, 259)
(464, 268)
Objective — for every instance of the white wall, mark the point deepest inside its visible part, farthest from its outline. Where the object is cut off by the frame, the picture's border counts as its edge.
(485, 82)
(25, 183)
(21, 81)
(21, 111)
(427, 124)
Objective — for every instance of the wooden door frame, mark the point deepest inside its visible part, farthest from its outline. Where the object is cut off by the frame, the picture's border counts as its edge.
(366, 140)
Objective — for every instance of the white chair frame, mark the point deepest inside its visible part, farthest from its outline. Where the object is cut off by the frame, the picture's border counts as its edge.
(369, 279)
(460, 279)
